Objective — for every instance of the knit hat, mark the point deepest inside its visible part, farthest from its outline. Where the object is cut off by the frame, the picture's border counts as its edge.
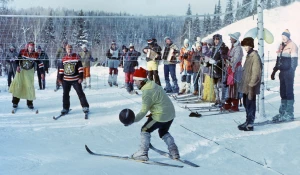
(167, 38)
(287, 33)
(113, 42)
(84, 46)
(124, 47)
(186, 41)
(131, 45)
(235, 35)
(12, 47)
(140, 74)
(248, 42)
(198, 39)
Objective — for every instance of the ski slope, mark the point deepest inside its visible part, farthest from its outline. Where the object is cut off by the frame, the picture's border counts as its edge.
(35, 144)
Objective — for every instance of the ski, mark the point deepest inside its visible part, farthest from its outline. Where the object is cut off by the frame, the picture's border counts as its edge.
(149, 162)
(57, 117)
(268, 122)
(188, 98)
(169, 156)
(177, 97)
(191, 101)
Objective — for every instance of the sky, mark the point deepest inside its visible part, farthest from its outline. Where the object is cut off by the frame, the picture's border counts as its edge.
(135, 7)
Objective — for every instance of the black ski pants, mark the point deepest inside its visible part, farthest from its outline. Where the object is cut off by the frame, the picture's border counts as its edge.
(66, 94)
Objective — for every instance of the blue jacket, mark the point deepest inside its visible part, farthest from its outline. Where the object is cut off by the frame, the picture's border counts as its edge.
(130, 61)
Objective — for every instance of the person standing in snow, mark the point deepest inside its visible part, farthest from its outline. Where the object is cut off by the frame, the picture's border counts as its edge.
(250, 83)
(216, 64)
(130, 62)
(197, 65)
(162, 114)
(234, 72)
(22, 86)
(186, 69)
(287, 62)
(170, 65)
(11, 64)
(153, 51)
(86, 58)
(45, 59)
(61, 52)
(113, 54)
(71, 74)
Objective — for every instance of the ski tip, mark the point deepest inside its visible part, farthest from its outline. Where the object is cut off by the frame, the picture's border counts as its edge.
(88, 150)
(54, 118)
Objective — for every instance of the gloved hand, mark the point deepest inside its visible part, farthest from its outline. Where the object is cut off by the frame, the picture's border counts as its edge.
(273, 74)
(212, 61)
(149, 115)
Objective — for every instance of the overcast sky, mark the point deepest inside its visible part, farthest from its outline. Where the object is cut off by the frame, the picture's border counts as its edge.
(135, 7)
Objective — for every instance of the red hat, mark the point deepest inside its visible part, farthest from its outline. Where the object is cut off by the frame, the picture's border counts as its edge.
(140, 74)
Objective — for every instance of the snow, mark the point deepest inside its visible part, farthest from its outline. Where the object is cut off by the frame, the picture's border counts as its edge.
(36, 144)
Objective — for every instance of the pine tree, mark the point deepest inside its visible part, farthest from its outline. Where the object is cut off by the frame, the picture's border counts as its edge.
(228, 18)
(214, 20)
(246, 10)
(238, 12)
(207, 25)
(48, 32)
(196, 27)
(80, 33)
(186, 32)
(218, 18)
(284, 2)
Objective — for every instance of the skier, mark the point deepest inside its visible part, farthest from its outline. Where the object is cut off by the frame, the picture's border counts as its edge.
(86, 58)
(170, 65)
(186, 70)
(153, 51)
(162, 114)
(61, 52)
(71, 74)
(11, 64)
(234, 72)
(113, 54)
(216, 63)
(197, 66)
(130, 62)
(287, 62)
(45, 59)
(250, 83)
(22, 86)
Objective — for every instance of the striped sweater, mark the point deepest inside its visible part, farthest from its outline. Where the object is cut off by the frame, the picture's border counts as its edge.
(27, 60)
(71, 68)
(287, 56)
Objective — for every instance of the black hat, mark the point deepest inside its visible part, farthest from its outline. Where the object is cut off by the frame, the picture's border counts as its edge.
(127, 116)
(248, 42)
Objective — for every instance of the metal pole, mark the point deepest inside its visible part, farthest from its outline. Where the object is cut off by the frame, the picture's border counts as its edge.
(260, 26)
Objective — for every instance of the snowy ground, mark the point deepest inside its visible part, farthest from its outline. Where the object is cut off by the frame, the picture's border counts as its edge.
(35, 144)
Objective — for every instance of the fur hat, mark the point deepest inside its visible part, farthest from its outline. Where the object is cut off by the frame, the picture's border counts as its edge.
(140, 74)
(287, 33)
(248, 42)
(235, 35)
(186, 41)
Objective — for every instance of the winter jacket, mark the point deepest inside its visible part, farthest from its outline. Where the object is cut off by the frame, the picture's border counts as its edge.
(166, 53)
(287, 57)
(185, 58)
(11, 64)
(71, 68)
(251, 78)
(61, 52)
(86, 58)
(113, 54)
(219, 53)
(28, 60)
(156, 48)
(155, 100)
(235, 56)
(45, 59)
(197, 60)
(130, 61)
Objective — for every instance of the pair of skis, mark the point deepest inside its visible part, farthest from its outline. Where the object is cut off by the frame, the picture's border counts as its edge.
(86, 115)
(268, 122)
(150, 162)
